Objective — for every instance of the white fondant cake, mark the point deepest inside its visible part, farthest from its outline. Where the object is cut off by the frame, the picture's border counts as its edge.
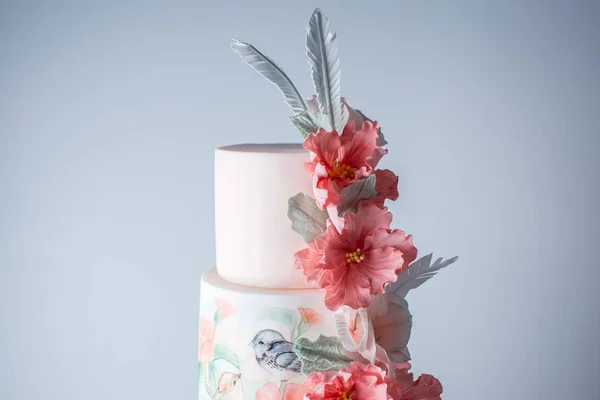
(307, 300)
(239, 324)
(254, 241)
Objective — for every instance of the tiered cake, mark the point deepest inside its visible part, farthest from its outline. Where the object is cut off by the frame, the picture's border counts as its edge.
(307, 300)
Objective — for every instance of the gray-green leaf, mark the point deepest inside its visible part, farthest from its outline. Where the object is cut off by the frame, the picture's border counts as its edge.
(324, 354)
(360, 190)
(307, 218)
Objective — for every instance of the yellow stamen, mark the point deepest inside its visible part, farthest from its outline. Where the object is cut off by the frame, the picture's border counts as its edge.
(356, 256)
(341, 171)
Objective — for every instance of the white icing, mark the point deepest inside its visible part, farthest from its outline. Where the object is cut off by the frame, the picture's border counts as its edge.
(254, 239)
(250, 311)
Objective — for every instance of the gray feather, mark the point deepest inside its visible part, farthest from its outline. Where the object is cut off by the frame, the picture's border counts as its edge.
(267, 68)
(416, 274)
(324, 60)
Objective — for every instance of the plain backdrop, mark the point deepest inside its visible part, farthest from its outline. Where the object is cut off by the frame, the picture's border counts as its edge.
(109, 114)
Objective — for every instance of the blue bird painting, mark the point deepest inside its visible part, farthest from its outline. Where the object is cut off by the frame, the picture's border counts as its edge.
(275, 354)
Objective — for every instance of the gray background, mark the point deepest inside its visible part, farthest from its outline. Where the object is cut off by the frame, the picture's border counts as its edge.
(109, 114)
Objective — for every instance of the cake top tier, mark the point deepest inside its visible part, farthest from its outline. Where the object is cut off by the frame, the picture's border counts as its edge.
(255, 244)
(265, 148)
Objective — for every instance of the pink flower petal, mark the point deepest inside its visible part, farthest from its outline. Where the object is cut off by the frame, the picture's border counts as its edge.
(368, 218)
(355, 292)
(324, 145)
(381, 265)
(358, 147)
(426, 387)
(386, 186)
(268, 391)
(295, 391)
(398, 240)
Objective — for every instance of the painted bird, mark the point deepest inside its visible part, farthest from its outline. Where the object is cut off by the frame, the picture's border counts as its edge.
(275, 354)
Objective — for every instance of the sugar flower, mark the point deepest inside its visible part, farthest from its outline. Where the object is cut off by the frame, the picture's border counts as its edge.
(355, 331)
(404, 387)
(356, 264)
(355, 381)
(337, 161)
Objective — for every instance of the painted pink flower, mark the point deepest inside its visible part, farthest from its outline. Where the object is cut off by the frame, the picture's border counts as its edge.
(355, 381)
(404, 387)
(354, 265)
(310, 316)
(206, 345)
(224, 307)
(392, 323)
(291, 391)
(339, 160)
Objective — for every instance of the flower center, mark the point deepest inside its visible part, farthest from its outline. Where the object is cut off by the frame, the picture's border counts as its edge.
(341, 171)
(356, 256)
(344, 396)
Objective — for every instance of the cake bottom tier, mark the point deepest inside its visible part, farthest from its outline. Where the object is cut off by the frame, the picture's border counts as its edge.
(247, 336)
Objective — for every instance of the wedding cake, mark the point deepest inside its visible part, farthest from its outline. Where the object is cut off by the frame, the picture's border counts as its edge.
(307, 300)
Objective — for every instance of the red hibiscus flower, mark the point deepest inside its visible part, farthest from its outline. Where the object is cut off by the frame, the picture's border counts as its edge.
(337, 161)
(355, 264)
(355, 381)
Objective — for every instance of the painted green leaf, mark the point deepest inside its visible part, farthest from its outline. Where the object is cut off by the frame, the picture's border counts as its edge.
(303, 327)
(360, 190)
(324, 354)
(300, 330)
(207, 375)
(222, 352)
(282, 315)
(307, 218)
(217, 318)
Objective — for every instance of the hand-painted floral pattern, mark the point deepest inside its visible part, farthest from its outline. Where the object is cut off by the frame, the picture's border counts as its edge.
(206, 346)
(224, 307)
(208, 350)
(291, 391)
(310, 316)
